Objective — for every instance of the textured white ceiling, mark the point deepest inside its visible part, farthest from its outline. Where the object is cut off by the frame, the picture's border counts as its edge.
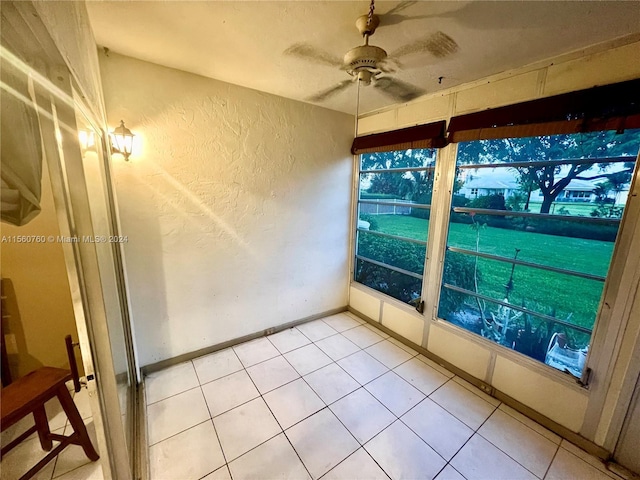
(242, 42)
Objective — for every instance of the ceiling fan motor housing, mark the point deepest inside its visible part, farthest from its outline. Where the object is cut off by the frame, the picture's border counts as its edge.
(364, 57)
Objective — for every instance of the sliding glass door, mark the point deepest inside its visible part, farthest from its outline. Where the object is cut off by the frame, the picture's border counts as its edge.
(36, 80)
(107, 242)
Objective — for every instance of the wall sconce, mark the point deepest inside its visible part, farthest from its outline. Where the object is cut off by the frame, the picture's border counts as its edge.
(122, 141)
(87, 140)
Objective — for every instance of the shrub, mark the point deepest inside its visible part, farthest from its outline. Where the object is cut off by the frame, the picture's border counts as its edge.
(458, 271)
(371, 219)
(459, 201)
(493, 202)
(408, 256)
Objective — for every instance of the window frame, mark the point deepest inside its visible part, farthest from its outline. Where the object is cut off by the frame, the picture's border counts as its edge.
(356, 201)
(564, 271)
(630, 217)
(611, 107)
(445, 174)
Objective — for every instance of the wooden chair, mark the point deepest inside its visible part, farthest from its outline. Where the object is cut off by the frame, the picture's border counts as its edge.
(28, 395)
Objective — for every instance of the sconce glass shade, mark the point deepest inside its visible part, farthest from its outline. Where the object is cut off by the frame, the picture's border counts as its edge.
(122, 140)
(87, 140)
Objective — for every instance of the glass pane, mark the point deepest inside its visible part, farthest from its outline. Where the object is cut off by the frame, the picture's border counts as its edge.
(403, 187)
(546, 242)
(392, 251)
(107, 243)
(549, 178)
(593, 145)
(560, 346)
(572, 299)
(403, 287)
(416, 158)
(598, 191)
(403, 179)
(414, 225)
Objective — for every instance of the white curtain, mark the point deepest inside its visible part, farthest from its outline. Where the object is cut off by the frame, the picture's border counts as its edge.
(21, 162)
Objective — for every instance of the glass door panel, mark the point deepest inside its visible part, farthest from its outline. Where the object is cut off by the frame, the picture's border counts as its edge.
(107, 244)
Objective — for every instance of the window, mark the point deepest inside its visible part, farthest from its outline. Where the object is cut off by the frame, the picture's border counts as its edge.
(474, 192)
(527, 271)
(394, 199)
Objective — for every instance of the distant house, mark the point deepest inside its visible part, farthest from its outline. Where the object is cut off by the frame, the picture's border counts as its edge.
(490, 182)
(501, 181)
(576, 191)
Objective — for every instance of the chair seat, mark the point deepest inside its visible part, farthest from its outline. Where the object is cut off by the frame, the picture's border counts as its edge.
(25, 394)
(28, 396)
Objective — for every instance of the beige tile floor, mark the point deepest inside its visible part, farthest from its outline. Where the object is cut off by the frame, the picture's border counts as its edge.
(338, 399)
(70, 464)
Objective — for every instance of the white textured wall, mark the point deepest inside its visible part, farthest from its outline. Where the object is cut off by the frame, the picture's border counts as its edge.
(236, 205)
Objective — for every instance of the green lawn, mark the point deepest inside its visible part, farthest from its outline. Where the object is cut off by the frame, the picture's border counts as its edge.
(543, 291)
(574, 208)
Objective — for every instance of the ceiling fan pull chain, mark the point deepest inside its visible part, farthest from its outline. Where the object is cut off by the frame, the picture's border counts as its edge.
(357, 105)
(372, 7)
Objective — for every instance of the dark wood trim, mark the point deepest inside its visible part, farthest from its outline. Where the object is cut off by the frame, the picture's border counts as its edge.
(154, 367)
(431, 135)
(610, 107)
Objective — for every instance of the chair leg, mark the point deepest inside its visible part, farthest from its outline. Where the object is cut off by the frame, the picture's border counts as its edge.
(76, 422)
(42, 425)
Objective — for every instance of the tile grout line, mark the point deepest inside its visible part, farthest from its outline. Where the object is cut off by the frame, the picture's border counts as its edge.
(351, 455)
(507, 454)
(201, 423)
(55, 460)
(397, 418)
(328, 407)
(363, 386)
(523, 423)
(176, 394)
(526, 426)
(475, 431)
(555, 454)
(276, 419)
(495, 407)
(178, 433)
(215, 430)
(608, 473)
(361, 445)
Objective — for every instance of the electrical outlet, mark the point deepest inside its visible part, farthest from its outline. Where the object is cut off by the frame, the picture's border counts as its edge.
(11, 343)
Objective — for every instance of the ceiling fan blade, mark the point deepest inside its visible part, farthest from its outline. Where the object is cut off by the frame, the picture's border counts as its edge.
(438, 44)
(330, 92)
(313, 54)
(397, 89)
(400, 7)
(393, 16)
(389, 65)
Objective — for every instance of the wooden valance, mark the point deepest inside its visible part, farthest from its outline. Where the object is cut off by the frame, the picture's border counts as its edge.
(431, 135)
(611, 107)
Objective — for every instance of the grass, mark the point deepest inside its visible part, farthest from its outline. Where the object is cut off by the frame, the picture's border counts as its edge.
(574, 208)
(543, 291)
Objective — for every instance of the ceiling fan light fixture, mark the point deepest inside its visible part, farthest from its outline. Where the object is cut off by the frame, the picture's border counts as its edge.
(364, 76)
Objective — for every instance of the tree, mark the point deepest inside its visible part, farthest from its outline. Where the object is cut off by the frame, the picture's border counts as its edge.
(606, 206)
(553, 179)
(413, 185)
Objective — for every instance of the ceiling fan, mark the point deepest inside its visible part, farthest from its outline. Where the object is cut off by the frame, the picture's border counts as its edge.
(369, 64)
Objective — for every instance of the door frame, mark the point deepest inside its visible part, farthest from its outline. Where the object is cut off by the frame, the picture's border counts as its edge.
(51, 89)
